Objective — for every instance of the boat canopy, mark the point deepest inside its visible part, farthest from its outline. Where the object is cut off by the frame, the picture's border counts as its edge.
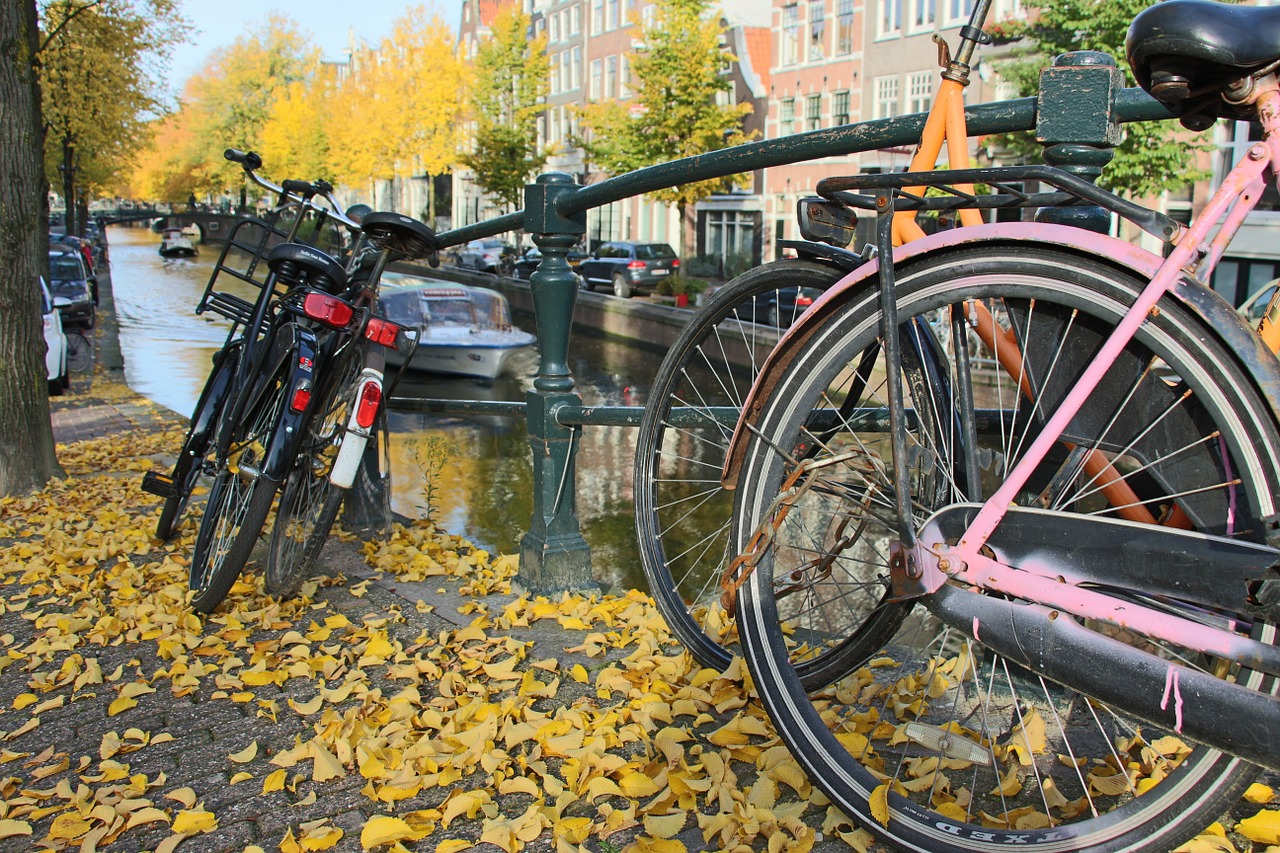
(415, 302)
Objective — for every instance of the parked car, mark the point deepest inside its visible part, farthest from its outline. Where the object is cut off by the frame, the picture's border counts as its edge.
(528, 262)
(55, 344)
(72, 287)
(629, 267)
(782, 306)
(487, 255)
(86, 250)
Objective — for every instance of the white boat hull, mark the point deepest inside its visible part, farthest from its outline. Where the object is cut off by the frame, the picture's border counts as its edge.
(457, 359)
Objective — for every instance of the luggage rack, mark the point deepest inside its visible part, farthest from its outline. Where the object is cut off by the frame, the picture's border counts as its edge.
(953, 191)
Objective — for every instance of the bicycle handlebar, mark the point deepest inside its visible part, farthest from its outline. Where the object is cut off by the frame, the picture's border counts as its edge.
(290, 191)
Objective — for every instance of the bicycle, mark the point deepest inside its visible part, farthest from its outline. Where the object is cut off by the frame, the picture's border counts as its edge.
(79, 352)
(294, 393)
(1037, 653)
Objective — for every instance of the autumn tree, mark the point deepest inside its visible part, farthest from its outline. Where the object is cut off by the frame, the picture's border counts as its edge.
(676, 77)
(510, 81)
(27, 459)
(1154, 156)
(100, 66)
(396, 115)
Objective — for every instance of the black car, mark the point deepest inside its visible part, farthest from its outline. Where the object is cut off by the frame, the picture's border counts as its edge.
(528, 262)
(629, 267)
(72, 286)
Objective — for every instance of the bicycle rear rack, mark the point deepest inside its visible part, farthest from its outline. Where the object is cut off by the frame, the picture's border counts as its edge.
(859, 192)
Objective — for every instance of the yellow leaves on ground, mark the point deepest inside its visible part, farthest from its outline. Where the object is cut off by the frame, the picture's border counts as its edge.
(194, 820)
(1263, 827)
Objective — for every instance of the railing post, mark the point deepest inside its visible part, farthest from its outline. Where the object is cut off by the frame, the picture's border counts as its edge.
(553, 555)
(1075, 123)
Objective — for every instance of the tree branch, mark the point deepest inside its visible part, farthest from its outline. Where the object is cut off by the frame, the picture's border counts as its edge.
(71, 17)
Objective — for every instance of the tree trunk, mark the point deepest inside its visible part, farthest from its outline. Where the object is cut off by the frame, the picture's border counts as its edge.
(27, 458)
(68, 187)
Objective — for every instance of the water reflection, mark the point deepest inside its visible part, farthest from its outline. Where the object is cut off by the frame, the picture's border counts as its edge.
(484, 490)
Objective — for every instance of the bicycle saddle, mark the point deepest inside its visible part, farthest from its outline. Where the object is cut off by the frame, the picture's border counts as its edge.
(399, 233)
(1186, 53)
(300, 264)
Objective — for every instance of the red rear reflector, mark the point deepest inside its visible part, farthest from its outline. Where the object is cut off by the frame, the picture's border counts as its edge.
(382, 332)
(301, 397)
(327, 309)
(804, 300)
(636, 265)
(367, 408)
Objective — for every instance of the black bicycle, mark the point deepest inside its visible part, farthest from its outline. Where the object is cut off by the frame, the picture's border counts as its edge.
(296, 388)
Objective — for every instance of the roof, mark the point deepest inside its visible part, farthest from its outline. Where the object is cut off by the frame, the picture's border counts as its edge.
(759, 47)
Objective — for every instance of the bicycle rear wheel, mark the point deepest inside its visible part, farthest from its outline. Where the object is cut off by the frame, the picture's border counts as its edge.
(937, 742)
(239, 501)
(309, 502)
(79, 353)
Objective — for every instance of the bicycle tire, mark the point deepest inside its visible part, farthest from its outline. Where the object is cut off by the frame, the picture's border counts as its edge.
(309, 502)
(712, 363)
(79, 353)
(239, 503)
(195, 446)
(1058, 304)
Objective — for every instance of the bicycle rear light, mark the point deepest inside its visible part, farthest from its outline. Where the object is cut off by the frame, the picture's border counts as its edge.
(367, 406)
(327, 309)
(301, 397)
(382, 332)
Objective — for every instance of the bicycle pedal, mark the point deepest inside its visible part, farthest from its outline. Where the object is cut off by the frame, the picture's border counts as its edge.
(160, 485)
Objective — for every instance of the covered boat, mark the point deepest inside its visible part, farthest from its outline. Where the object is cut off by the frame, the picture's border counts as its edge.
(462, 330)
(175, 244)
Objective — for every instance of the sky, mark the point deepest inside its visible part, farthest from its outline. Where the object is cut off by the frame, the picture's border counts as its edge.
(217, 23)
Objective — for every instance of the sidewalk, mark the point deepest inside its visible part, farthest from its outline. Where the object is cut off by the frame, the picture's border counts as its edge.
(409, 699)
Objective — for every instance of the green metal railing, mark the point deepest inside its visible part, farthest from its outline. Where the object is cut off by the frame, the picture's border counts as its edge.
(1076, 116)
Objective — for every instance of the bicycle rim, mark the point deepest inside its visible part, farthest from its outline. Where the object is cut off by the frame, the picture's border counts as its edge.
(974, 752)
(309, 502)
(238, 504)
(682, 512)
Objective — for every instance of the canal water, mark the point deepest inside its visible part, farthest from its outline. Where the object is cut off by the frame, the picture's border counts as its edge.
(481, 481)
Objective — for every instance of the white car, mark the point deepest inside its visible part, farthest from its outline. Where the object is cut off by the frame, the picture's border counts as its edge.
(483, 255)
(1256, 305)
(55, 342)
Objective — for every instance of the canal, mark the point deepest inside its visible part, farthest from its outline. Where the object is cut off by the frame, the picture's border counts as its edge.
(481, 484)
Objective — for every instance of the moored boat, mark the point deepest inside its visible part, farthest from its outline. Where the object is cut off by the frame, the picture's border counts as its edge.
(175, 244)
(462, 330)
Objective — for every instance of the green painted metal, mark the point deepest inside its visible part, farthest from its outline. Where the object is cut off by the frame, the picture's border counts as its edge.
(1077, 116)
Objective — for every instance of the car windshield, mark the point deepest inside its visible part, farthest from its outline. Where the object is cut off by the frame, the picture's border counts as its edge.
(654, 252)
(64, 268)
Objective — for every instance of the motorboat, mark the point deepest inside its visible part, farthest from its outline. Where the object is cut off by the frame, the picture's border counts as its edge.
(462, 330)
(175, 244)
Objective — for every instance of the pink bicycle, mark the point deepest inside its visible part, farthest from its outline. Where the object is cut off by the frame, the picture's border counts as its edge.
(1020, 479)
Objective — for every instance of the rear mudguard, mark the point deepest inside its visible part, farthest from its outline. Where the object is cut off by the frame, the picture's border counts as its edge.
(1219, 318)
(298, 357)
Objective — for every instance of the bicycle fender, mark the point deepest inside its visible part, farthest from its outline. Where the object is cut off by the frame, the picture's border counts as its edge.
(285, 441)
(1218, 316)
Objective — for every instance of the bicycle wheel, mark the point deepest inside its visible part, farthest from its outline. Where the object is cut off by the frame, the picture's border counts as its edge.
(976, 752)
(195, 447)
(309, 502)
(238, 502)
(79, 353)
(682, 512)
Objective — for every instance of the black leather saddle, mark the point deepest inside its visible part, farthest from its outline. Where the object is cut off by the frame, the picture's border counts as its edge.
(1188, 53)
(300, 264)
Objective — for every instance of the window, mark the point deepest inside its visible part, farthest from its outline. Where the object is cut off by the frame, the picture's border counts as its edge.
(597, 17)
(919, 91)
(597, 79)
(890, 18)
(922, 14)
(611, 14)
(624, 77)
(731, 233)
(958, 11)
(844, 27)
(554, 83)
(1234, 141)
(610, 77)
(886, 97)
(554, 29)
(787, 117)
(790, 47)
(575, 69)
(575, 20)
(839, 108)
(813, 112)
(817, 28)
